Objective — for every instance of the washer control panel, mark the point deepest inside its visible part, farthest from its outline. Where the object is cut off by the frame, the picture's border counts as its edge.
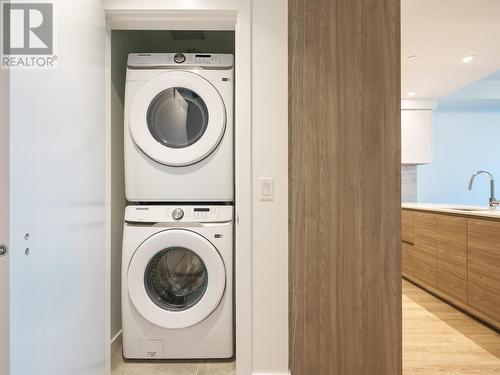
(176, 214)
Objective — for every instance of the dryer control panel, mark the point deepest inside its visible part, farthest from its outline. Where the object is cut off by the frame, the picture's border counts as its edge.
(160, 60)
(179, 214)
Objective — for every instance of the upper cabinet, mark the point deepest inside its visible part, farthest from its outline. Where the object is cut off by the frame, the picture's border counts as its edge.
(416, 132)
(416, 136)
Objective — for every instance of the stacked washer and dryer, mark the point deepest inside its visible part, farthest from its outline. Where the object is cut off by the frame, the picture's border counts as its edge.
(177, 268)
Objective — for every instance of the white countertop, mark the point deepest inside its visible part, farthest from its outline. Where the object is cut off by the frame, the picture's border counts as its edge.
(459, 209)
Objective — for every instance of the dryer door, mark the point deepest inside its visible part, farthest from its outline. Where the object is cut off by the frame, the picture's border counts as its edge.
(178, 118)
(176, 279)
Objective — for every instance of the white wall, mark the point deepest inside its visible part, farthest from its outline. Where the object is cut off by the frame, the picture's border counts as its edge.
(270, 159)
(4, 219)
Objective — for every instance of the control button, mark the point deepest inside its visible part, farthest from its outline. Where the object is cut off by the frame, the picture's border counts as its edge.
(179, 58)
(177, 214)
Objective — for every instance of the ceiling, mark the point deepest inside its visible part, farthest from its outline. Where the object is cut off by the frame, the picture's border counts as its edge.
(440, 33)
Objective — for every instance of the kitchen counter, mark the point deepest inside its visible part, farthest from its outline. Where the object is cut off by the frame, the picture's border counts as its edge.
(469, 211)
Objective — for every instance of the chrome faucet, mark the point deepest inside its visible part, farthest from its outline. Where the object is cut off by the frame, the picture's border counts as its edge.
(492, 201)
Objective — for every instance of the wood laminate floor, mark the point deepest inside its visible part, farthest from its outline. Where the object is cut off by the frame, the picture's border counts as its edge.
(440, 340)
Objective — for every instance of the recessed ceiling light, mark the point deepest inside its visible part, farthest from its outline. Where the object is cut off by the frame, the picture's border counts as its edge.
(469, 58)
(412, 57)
(412, 93)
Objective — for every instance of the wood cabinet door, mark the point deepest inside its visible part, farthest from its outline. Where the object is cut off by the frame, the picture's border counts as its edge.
(407, 226)
(408, 259)
(451, 241)
(484, 267)
(425, 248)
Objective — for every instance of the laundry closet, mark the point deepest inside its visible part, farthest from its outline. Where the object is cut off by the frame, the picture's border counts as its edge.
(67, 186)
(172, 182)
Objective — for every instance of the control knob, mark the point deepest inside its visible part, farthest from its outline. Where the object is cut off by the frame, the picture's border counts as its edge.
(177, 214)
(179, 58)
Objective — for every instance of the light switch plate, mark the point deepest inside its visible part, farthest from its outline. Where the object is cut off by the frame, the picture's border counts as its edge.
(267, 189)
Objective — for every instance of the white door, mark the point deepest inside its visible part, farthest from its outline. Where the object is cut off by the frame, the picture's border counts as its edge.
(4, 221)
(57, 186)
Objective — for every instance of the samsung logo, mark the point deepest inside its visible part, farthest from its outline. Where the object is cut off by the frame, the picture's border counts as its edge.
(142, 208)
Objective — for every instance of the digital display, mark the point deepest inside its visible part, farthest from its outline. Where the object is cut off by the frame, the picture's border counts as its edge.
(203, 56)
(202, 210)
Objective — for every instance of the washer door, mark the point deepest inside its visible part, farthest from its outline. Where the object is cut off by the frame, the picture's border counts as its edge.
(176, 279)
(178, 118)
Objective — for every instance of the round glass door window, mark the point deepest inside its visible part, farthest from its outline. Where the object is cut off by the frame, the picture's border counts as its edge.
(177, 117)
(176, 279)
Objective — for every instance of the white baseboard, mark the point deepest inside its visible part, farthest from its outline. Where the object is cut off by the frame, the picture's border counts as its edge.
(116, 342)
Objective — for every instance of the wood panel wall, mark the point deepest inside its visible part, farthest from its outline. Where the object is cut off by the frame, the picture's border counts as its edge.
(345, 261)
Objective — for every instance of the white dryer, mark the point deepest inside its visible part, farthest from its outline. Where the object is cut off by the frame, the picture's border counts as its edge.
(179, 128)
(177, 282)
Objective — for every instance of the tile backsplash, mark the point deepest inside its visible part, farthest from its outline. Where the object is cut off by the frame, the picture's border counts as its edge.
(409, 183)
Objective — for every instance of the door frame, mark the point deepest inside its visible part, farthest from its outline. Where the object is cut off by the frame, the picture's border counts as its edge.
(4, 220)
(208, 15)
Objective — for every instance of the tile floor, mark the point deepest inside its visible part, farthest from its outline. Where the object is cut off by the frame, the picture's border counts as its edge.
(120, 367)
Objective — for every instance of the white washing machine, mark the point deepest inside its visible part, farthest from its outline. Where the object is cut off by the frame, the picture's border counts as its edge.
(179, 128)
(177, 294)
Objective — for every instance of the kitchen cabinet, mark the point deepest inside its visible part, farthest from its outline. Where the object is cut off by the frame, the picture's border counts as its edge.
(407, 226)
(416, 136)
(456, 257)
(407, 238)
(425, 248)
(408, 259)
(451, 251)
(484, 267)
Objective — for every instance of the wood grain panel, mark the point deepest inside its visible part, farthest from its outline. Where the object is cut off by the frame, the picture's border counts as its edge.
(451, 250)
(425, 248)
(408, 259)
(345, 262)
(407, 226)
(484, 267)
